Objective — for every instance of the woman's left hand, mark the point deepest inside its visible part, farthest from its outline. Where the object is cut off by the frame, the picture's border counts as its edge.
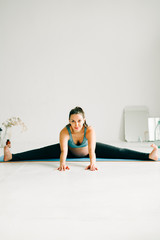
(92, 167)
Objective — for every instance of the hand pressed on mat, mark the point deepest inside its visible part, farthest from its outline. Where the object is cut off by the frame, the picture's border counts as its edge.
(63, 167)
(92, 167)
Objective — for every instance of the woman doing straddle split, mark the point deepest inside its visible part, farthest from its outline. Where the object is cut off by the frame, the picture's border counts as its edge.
(78, 140)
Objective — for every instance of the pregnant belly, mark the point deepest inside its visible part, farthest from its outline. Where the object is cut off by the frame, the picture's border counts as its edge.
(79, 152)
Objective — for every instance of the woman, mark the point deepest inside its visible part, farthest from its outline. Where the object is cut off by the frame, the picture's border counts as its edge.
(77, 140)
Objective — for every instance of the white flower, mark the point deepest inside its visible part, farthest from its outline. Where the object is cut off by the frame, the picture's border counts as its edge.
(14, 121)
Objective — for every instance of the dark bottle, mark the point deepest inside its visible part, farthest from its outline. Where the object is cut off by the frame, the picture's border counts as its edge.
(8, 143)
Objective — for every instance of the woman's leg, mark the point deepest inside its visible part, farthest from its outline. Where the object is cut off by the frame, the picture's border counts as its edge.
(48, 152)
(108, 151)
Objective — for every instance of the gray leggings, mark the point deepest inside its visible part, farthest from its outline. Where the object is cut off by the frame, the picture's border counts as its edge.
(102, 151)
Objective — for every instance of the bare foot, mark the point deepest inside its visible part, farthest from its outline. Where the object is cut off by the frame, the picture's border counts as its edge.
(7, 154)
(154, 154)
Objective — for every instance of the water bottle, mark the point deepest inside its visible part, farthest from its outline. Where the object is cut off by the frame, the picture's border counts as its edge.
(0, 137)
(157, 135)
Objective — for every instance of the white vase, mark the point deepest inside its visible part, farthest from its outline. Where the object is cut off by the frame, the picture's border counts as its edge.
(7, 135)
(1, 138)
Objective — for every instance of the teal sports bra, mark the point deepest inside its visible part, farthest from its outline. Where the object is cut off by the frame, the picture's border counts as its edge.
(72, 144)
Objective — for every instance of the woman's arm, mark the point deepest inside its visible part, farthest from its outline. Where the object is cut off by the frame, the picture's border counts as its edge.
(91, 136)
(63, 139)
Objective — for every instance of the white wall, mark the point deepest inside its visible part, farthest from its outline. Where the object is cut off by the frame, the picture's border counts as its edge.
(57, 54)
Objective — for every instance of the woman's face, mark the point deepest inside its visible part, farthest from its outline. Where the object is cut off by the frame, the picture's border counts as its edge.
(76, 121)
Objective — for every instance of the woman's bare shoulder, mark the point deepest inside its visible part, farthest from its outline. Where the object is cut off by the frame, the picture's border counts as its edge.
(64, 135)
(64, 131)
(90, 129)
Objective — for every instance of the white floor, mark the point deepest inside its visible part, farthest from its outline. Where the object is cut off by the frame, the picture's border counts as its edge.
(119, 201)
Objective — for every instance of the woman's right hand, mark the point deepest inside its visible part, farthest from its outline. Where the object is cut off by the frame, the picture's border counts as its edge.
(63, 167)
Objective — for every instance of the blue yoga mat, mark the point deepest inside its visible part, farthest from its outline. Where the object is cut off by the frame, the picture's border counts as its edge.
(79, 160)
